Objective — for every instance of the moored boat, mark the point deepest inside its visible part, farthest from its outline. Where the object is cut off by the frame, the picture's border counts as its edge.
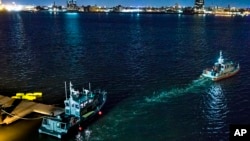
(79, 107)
(222, 69)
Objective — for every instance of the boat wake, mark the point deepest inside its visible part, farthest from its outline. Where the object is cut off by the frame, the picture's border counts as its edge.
(120, 117)
(131, 111)
(194, 87)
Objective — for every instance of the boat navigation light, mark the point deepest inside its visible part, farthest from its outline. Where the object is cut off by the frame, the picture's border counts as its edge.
(100, 113)
(65, 90)
(80, 128)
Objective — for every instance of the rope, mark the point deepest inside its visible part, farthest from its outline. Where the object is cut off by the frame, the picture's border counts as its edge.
(22, 117)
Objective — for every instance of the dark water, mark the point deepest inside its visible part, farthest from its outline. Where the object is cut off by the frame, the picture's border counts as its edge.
(149, 64)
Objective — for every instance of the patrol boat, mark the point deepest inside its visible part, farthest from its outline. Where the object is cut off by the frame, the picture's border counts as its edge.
(222, 69)
(79, 106)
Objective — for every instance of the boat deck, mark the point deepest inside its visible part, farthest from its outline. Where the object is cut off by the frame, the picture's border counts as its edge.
(25, 107)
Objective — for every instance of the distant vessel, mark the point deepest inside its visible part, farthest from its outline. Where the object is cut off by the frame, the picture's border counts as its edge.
(221, 69)
(72, 6)
(79, 107)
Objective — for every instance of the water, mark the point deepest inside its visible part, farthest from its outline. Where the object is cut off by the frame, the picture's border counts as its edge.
(150, 65)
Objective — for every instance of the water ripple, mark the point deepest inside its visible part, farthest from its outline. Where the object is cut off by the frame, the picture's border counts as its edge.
(215, 110)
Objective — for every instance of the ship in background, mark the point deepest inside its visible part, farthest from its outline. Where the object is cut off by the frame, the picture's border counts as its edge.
(72, 6)
(79, 107)
(197, 9)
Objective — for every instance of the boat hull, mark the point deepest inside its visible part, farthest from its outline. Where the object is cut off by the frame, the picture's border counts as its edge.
(70, 130)
(224, 76)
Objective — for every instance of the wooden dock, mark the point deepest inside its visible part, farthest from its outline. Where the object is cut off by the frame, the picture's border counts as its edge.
(23, 108)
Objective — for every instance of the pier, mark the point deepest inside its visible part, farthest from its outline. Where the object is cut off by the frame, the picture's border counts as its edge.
(21, 108)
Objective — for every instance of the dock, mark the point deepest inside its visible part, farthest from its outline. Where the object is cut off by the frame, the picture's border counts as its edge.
(22, 108)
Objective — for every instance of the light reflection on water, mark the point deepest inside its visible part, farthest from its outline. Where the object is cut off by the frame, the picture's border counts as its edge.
(19, 130)
(215, 109)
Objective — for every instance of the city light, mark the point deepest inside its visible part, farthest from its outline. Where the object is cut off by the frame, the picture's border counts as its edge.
(198, 7)
(1, 7)
(13, 7)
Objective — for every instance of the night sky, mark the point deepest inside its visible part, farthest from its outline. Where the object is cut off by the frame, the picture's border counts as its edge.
(156, 3)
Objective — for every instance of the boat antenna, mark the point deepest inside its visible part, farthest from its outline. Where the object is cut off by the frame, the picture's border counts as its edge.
(70, 87)
(221, 60)
(65, 89)
(1, 118)
(89, 86)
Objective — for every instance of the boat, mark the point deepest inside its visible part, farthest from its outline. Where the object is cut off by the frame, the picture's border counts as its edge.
(222, 69)
(79, 107)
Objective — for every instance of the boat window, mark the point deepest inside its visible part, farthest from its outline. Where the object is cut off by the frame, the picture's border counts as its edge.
(63, 125)
(77, 106)
(66, 103)
(45, 121)
(67, 111)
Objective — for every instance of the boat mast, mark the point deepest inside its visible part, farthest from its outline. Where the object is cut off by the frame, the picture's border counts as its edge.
(1, 118)
(221, 60)
(70, 98)
(65, 90)
(70, 88)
